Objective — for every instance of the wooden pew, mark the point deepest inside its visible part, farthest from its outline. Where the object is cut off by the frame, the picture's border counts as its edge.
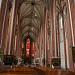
(51, 71)
(26, 70)
(19, 71)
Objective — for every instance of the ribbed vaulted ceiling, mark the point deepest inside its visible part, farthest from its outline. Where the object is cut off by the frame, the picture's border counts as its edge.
(31, 17)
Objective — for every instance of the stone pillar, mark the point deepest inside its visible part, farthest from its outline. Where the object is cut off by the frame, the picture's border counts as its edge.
(2, 19)
(14, 30)
(5, 31)
(69, 35)
(54, 18)
(71, 7)
(40, 40)
(45, 35)
(43, 46)
(18, 48)
(4, 27)
(11, 27)
(52, 33)
(58, 36)
(64, 37)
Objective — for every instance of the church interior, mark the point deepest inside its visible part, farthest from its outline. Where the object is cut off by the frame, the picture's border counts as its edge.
(37, 37)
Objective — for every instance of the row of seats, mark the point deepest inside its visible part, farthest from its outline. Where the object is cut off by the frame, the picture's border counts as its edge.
(24, 70)
(51, 71)
(19, 70)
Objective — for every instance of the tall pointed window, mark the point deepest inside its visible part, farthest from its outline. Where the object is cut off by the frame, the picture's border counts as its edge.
(74, 1)
(0, 4)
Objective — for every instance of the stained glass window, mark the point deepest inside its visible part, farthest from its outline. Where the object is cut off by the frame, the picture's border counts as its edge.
(28, 47)
(74, 1)
(0, 3)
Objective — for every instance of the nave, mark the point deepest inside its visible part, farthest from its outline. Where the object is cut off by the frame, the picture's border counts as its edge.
(37, 32)
(28, 70)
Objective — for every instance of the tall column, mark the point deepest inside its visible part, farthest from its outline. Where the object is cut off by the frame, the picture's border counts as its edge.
(70, 14)
(69, 32)
(54, 17)
(45, 35)
(64, 37)
(2, 19)
(18, 32)
(3, 26)
(52, 33)
(11, 27)
(5, 31)
(58, 36)
(40, 44)
(41, 47)
(14, 30)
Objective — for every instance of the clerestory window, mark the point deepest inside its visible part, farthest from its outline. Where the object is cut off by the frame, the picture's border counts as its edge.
(0, 3)
(74, 1)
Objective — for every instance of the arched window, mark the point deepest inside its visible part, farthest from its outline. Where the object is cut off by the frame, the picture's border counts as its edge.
(0, 4)
(74, 1)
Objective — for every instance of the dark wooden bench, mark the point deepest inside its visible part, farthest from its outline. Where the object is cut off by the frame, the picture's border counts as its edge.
(19, 69)
(51, 71)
